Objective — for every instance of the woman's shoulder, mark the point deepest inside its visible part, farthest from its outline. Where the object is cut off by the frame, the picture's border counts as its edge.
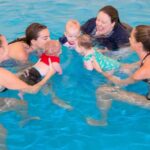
(16, 44)
(120, 30)
(143, 71)
(17, 51)
(88, 26)
(127, 26)
(16, 47)
(120, 36)
(91, 20)
(146, 63)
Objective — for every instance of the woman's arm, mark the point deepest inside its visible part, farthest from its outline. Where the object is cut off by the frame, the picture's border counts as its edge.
(119, 81)
(35, 88)
(132, 65)
(11, 81)
(112, 78)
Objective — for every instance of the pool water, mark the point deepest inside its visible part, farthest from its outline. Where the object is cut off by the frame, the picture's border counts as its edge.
(59, 129)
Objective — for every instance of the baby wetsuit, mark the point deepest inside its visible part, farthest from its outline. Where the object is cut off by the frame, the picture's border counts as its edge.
(105, 63)
(34, 75)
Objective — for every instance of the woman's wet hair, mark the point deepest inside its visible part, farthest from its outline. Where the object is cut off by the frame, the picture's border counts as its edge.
(85, 41)
(142, 34)
(23, 39)
(112, 13)
(31, 33)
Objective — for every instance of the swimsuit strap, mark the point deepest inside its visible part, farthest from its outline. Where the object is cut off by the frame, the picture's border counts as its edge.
(142, 62)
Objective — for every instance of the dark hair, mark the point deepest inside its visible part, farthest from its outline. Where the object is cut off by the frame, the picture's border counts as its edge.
(112, 13)
(142, 34)
(32, 32)
(85, 41)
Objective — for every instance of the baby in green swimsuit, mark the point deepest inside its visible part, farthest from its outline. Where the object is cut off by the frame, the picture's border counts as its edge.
(91, 55)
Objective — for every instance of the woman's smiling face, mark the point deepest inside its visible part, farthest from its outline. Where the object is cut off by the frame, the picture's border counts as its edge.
(103, 24)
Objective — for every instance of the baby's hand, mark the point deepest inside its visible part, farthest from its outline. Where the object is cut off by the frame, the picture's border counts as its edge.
(100, 70)
(60, 72)
(26, 73)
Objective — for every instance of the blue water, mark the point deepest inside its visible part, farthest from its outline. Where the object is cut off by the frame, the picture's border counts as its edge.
(59, 129)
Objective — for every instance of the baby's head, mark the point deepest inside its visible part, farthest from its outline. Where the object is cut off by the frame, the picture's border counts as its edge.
(84, 43)
(53, 47)
(72, 31)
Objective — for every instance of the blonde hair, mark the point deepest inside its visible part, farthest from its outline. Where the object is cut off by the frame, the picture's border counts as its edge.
(72, 24)
(52, 47)
(85, 41)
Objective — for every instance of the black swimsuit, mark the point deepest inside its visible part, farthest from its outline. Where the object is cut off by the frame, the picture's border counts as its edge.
(32, 78)
(146, 80)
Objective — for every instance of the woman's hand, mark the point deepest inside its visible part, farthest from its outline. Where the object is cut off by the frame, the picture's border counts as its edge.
(103, 50)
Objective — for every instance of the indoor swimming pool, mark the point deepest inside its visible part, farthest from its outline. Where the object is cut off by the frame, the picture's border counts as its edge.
(53, 127)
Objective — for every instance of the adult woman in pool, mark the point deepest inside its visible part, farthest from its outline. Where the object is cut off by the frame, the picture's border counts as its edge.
(36, 36)
(107, 30)
(140, 42)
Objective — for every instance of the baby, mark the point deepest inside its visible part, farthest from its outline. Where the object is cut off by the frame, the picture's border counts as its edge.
(34, 74)
(91, 55)
(71, 34)
(50, 57)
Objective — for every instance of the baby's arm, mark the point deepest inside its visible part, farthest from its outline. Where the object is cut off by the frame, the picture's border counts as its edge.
(88, 65)
(57, 67)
